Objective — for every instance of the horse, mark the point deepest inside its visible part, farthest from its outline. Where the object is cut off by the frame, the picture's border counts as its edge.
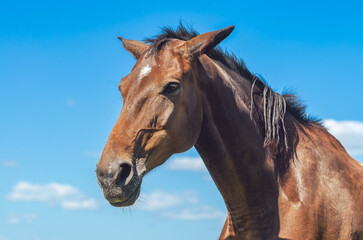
(282, 175)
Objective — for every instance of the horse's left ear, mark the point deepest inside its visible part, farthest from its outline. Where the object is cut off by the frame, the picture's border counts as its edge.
(134, 47)
(203, 43)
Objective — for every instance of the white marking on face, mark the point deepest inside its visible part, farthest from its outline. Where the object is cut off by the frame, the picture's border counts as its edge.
(144, 71)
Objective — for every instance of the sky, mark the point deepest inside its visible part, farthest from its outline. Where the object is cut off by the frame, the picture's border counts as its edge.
(60, 64)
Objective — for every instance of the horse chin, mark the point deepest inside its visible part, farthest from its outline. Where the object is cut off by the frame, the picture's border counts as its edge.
(129, 201)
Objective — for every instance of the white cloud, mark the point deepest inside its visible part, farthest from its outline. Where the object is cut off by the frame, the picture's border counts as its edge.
(67, 196)
(197, 213)
(10, 163)
(194, 164)
(27, 218)
(80, 204)
(160, 200)
(349, 133)
(182, 206)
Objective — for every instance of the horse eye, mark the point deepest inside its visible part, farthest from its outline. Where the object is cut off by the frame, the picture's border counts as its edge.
(171, 87)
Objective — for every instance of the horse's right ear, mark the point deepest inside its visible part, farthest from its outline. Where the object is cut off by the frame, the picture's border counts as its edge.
(203, 43)
(134, 47)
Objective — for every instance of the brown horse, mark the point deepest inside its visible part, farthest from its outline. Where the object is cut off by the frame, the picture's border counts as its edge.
(281, 174)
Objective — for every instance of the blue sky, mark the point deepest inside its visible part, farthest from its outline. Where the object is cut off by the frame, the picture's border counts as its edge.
(60, 63)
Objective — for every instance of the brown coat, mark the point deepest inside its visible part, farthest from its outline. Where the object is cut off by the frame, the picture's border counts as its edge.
(281, 175)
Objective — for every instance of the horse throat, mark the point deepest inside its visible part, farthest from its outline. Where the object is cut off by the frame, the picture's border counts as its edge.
(233, 150)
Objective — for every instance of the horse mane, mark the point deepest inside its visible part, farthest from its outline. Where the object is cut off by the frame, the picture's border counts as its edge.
(275, 106)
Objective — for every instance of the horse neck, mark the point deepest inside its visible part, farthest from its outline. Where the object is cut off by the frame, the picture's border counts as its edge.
(232, 149)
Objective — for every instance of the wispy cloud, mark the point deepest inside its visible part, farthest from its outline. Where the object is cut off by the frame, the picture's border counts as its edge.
(160, 200)
(349, 133)
(10, 163)
(80, 204)
(67, 196)
(179, 205)
(23, 218)
(196, 213)
(194, 164)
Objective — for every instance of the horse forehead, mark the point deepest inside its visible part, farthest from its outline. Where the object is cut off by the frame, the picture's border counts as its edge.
(160, 65)
(154, 68)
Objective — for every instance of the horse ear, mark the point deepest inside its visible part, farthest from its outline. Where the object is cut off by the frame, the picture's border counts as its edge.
(134, 47)
(203, 43)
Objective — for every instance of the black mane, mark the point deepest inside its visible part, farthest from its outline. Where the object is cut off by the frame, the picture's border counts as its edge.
(293, 105)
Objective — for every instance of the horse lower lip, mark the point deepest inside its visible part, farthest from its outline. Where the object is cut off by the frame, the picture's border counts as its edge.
(129, 201)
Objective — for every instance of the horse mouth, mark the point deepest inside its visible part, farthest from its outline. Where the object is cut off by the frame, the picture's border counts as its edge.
(129, 201)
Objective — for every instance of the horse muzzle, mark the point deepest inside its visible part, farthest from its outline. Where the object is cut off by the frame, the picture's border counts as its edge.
(120, 183)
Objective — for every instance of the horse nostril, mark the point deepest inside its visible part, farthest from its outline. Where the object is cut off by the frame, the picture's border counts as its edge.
(124, 173)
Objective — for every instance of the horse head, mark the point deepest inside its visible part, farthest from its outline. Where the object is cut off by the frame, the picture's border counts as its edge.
(161, 115)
